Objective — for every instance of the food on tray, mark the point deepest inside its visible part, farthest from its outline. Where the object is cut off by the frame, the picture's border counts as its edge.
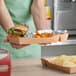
(18, 30)
(18, 35)
(64, 60)
(65, 63)
(43, 35)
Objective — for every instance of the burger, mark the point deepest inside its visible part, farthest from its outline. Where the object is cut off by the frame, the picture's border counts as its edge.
(18, 30)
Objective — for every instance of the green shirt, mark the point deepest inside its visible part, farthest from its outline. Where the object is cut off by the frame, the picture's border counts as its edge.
(20, 13)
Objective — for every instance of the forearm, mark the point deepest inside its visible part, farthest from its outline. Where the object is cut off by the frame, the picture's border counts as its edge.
(38, 14)
(5, 19)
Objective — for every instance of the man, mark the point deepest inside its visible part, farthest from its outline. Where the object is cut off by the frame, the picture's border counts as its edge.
(30, 12)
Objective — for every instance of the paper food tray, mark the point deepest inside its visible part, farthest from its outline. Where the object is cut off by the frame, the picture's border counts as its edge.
(46, 63)
(22, 40)
(63, 37)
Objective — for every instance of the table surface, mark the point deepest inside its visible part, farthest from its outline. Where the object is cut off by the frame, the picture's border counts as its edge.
(33, 67)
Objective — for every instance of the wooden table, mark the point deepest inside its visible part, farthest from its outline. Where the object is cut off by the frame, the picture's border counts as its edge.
(33, 67)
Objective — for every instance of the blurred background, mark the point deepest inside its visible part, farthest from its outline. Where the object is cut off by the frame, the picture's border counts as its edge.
(63, 17)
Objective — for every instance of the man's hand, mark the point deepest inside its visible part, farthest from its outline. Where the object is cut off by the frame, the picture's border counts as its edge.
(14, 45)
(39, 16)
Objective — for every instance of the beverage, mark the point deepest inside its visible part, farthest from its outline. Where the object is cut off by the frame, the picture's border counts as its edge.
(45, 2)
(48, 16)
(48, 12)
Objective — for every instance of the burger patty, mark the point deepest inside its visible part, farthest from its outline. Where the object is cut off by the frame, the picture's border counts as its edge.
(18, 30)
